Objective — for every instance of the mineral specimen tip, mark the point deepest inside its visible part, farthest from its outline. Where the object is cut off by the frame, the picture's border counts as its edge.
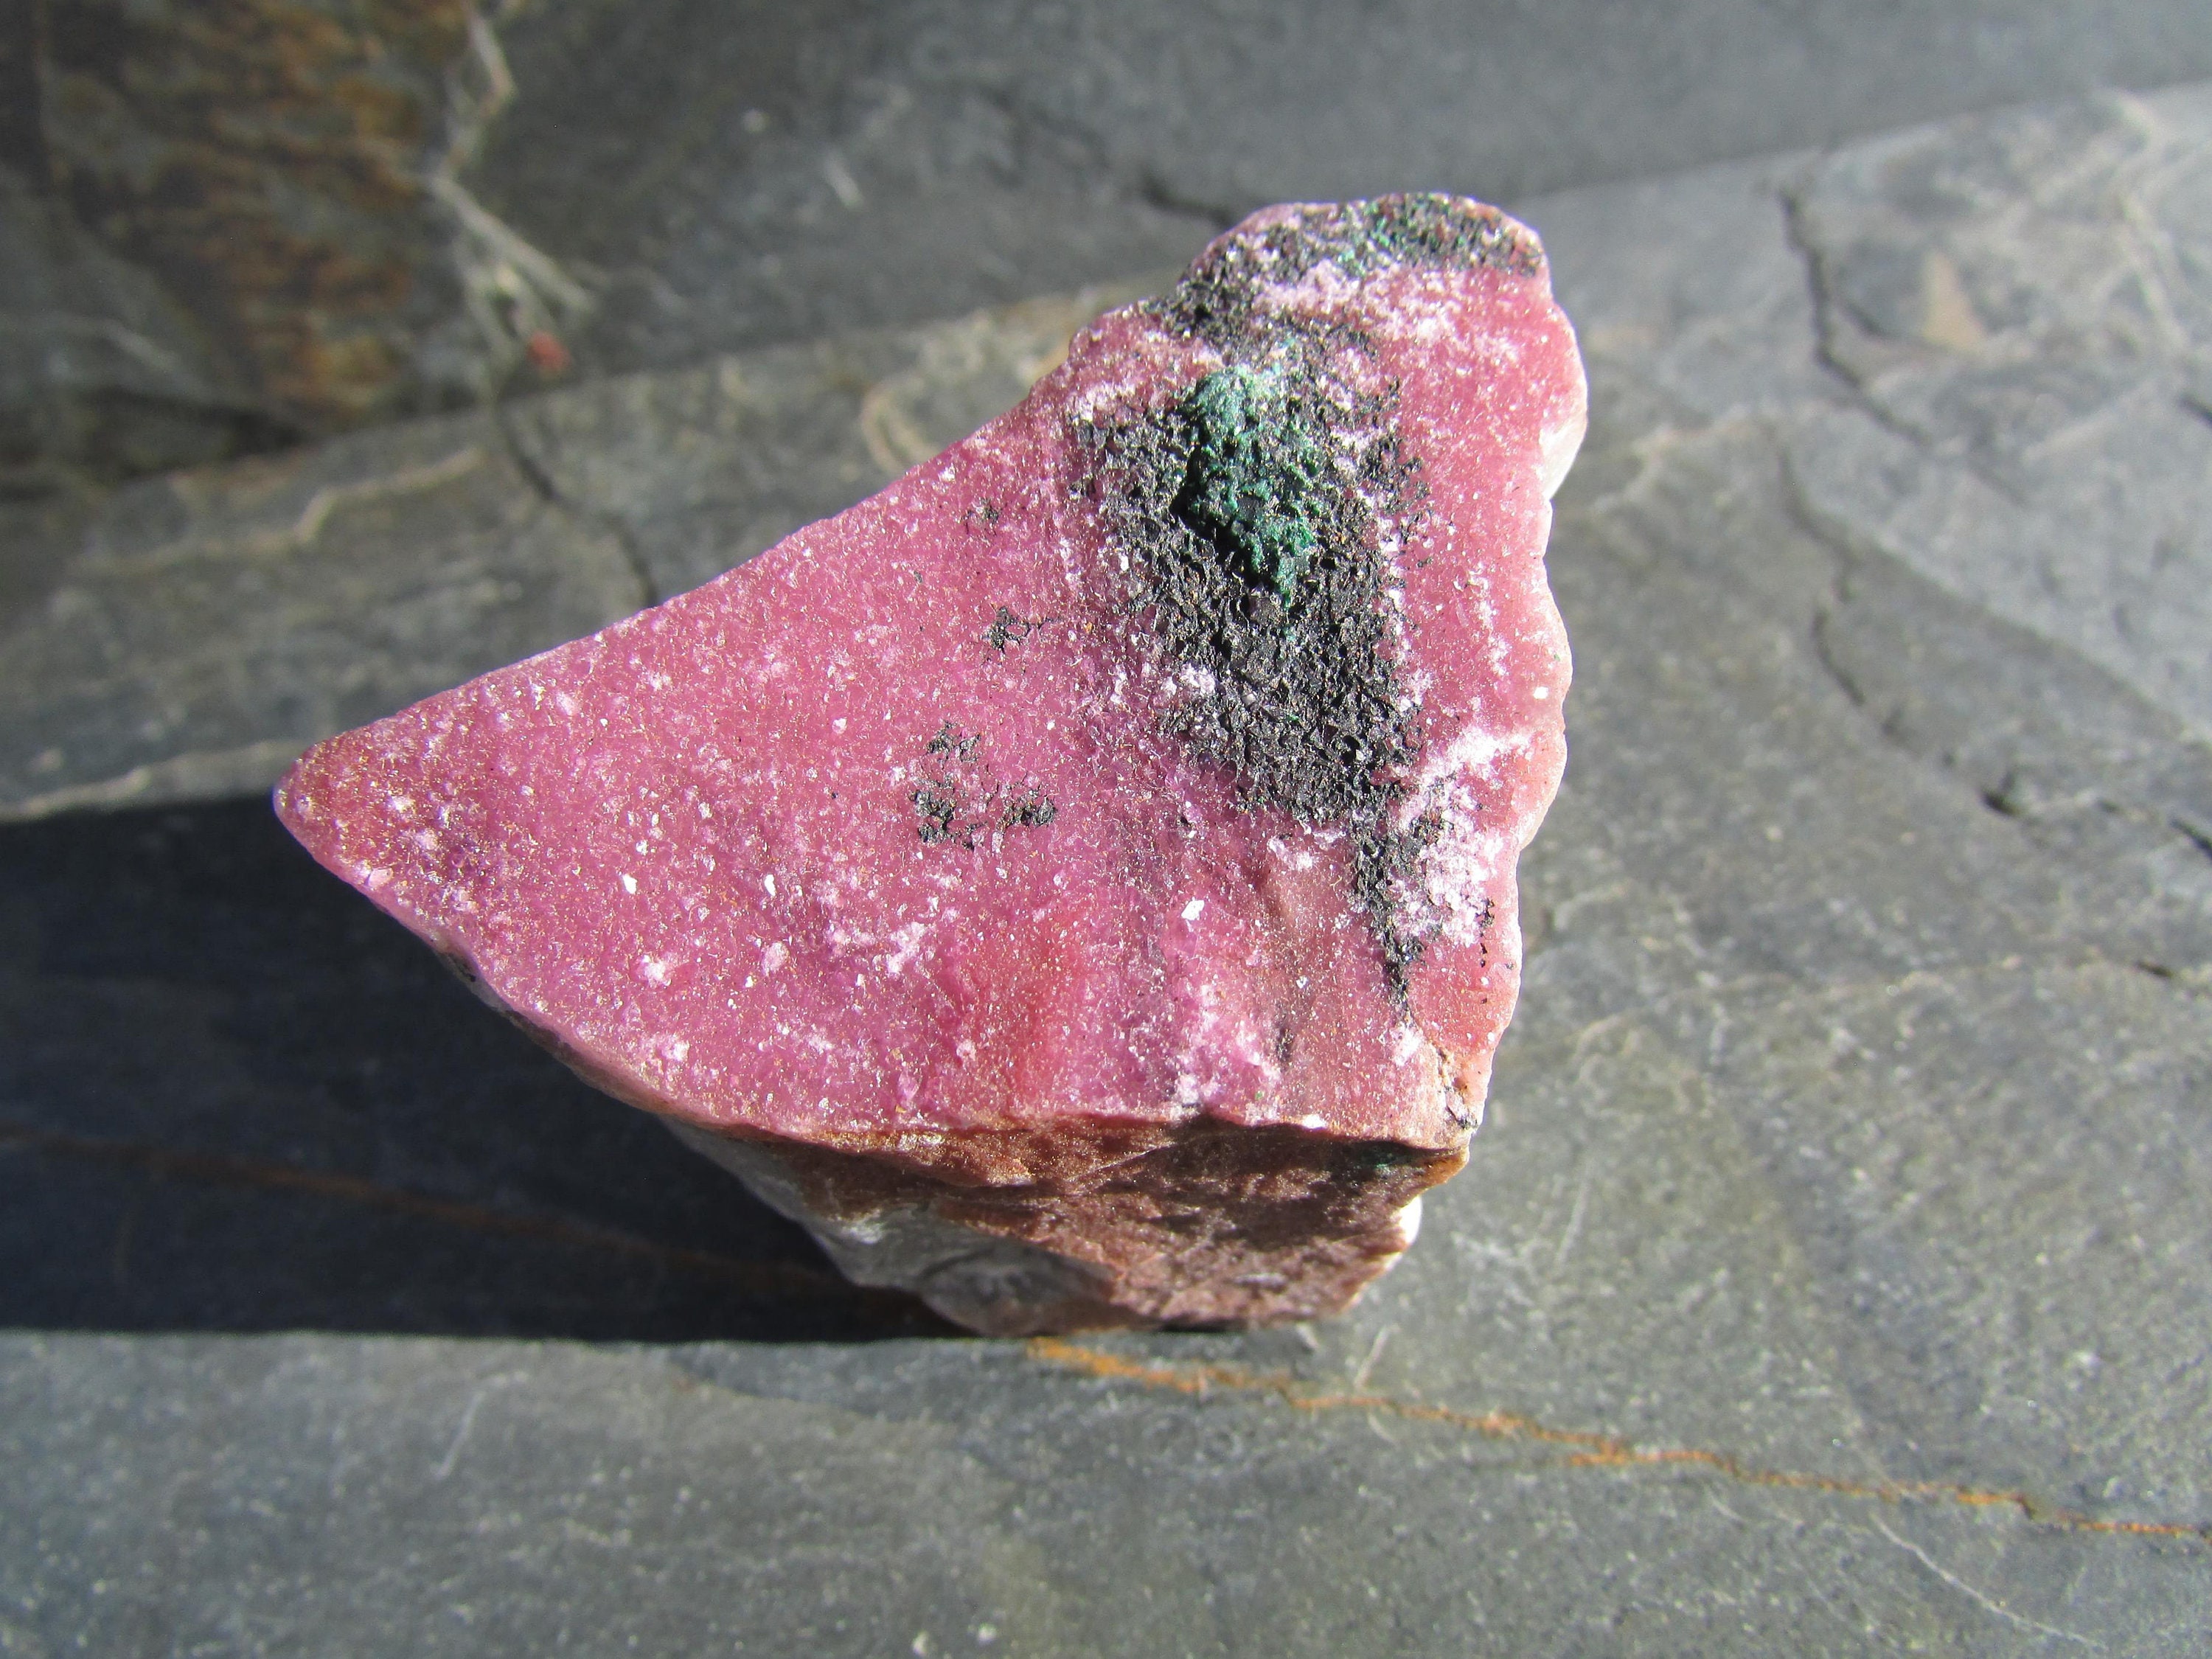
(1079, 882)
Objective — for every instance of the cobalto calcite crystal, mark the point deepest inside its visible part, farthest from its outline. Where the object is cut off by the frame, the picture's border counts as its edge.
(1078, 882)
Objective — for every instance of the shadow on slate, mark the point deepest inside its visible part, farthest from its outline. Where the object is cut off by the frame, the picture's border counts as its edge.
(234, 1097)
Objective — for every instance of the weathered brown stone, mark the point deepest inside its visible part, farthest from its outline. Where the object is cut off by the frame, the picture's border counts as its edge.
(288, 169)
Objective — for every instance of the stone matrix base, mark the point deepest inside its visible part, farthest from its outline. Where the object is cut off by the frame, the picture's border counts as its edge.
(1210, 1228)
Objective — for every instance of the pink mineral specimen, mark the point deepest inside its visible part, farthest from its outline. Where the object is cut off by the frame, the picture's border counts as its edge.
(1078, 882)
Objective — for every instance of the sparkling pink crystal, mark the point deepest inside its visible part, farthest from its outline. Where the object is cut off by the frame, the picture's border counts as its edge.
(887, 864)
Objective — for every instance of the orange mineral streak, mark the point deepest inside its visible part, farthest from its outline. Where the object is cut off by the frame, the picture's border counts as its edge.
(1586, 1448)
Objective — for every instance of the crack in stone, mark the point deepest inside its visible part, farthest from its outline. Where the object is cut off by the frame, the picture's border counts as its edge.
(1824, 308)
(1848, 553)
(1039, 129)
(1156, 190)
(550, 492)
(1846, 550)
(1972, 1595)
(2200, 839)
(1857, 391)
(1584, 1449)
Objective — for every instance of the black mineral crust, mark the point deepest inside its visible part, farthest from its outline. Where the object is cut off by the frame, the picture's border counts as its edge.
(1216, 299)
(1262, 513)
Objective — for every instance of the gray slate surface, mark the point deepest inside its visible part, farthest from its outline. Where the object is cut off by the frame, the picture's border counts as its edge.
(1831, 1275)
(738, 172)
(103, 372)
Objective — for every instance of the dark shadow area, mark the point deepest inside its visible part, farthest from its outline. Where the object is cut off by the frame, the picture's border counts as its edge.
(234, 1097)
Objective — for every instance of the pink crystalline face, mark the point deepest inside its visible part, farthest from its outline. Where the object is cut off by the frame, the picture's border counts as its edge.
(887, 843)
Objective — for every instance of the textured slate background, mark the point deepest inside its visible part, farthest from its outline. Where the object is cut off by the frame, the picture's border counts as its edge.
(735, 172)
(1831, 1271)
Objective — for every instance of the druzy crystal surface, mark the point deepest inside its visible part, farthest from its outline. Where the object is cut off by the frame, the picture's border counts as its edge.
(1079, 881)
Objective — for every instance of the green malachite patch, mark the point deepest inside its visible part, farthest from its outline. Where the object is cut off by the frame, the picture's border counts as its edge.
(1258, 481)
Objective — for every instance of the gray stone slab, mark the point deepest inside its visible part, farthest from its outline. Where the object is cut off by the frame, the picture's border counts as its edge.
(1830, 1274)
(504, 1499)
(2024, 313)
(739, 177)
